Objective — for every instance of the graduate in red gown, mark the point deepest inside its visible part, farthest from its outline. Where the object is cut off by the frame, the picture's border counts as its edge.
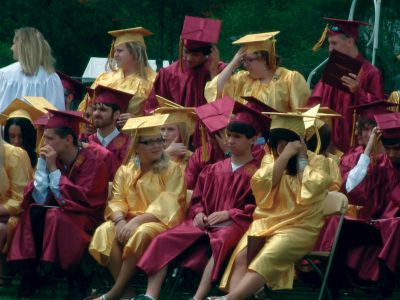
(364, 87)
(214, 118)
(183, 81)
(220, 211)
(108, 105)
(63, 204)
(378, 194)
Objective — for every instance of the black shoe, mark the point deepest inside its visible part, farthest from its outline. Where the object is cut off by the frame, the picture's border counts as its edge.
(28, 285)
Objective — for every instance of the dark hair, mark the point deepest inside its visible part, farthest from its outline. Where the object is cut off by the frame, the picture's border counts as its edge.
(28, 136)
(281, 134)
(204, 50)
(241, 128)
(362, 121)
(62, 132)
(114, 107)
(325, 136)
(390, 141)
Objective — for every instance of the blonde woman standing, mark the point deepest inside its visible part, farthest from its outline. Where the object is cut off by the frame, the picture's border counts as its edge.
(33, 74)
(129, 70)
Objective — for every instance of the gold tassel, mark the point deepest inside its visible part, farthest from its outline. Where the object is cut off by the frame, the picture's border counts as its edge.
(180, 51)
(39, 139)
(321, 41)
(204, 146)
(353, 129)
(318, 148)
(131, 148)
(111, 56)
(272, 55)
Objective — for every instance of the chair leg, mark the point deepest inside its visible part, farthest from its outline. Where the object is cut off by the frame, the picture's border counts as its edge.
(324, 285)
(178, 276)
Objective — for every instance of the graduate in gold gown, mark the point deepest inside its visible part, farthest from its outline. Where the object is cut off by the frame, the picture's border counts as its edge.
(15, 172)
(278, 87)
(130, 70)
(177, 130)
(289, 189)
(148, 197)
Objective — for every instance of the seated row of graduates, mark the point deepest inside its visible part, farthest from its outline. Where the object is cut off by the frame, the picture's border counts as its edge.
(149, 223)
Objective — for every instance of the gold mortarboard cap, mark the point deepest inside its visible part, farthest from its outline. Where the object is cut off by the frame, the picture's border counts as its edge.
(145, 126)
(24, 109)
(258, 41)
(3, 118)
(164, 102)
(184, 115)
(130, 35)
(292, 121)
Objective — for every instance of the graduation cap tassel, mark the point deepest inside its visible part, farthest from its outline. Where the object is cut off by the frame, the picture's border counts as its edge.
(131, 149)
(318, 148)
(39, 139)
(272, 55)
(180, 50)
(204, 146)
(321, 41)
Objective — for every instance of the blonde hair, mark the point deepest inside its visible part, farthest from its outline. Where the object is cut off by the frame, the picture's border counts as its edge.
(139, 53)
(33, 51)
(2, 154)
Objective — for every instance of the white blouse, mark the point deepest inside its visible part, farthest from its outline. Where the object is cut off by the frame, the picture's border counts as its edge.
(15, 84)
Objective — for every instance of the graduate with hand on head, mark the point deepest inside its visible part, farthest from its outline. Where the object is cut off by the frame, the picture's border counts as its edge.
(66, 198)
(263, 78)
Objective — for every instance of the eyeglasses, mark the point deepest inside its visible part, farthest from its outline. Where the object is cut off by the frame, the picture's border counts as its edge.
(157, 142)
(248, 60)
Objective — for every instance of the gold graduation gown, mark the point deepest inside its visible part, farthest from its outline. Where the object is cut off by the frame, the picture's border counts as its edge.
(131, 84)
(287, 90)
(289, 215)
(162, 194)
(14, 176)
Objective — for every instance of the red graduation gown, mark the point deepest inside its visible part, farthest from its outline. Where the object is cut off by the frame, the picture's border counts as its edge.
(217, 189)
(196, 163)
(185, 87)
(68, 229)
(118, 146)
(371, 90)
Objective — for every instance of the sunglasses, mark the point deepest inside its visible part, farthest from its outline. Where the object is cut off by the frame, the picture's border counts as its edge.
(157, 142)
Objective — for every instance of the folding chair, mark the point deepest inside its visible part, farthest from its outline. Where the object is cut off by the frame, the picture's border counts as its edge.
(335, 204)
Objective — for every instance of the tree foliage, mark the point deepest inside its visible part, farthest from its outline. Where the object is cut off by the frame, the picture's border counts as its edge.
(77, 29)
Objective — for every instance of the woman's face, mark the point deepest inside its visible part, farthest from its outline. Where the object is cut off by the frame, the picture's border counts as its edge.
(149, 149)
(123, 58)
(169, 133)
(15, 134)
(364, 134)
(14, 49)
(255, 65)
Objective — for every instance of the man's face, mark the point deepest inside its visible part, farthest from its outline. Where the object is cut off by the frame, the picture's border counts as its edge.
(393, 152)
(56, 142)
(103, 115)
(193, 59)
(238, 143)
(340, 43)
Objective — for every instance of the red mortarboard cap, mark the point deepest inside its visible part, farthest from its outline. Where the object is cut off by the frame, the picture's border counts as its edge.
(215, 115)
(389, 124)
(347, 27)
(42, 121)
(106, 95)
(200, 32)
(70, 119)
(369, 110)
(244, 114)
(257, 105)
(73, 86)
